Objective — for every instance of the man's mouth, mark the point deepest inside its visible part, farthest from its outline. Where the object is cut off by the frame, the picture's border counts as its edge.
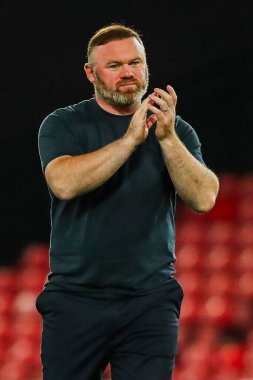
(127, 84)
(128, 87)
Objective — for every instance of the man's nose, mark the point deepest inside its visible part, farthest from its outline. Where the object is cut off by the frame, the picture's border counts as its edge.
(126, 71)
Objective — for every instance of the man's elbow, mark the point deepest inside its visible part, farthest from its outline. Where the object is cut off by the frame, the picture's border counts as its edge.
(206, 203)
(62, 192)
(58, 179)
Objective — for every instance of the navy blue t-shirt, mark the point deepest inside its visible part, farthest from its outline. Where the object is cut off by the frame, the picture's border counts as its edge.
(120, 237)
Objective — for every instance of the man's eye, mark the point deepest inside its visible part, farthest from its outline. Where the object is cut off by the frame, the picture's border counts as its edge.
(114, 66)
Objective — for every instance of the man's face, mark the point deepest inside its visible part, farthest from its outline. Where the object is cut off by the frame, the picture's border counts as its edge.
(120, 71)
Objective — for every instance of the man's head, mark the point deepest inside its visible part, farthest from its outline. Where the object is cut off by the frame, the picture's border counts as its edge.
(117, 65)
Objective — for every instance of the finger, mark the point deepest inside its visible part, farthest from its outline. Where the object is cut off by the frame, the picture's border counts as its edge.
(142, 110)
(152, 119)
(158, 101)
(156, 111)
(153, 94)
(165, 96)
(172, 93)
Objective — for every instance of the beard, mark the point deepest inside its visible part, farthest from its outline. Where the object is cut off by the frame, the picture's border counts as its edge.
(118, 98)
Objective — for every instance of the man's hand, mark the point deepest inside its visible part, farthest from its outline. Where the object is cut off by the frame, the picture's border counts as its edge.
(166, 113)
(139, 127)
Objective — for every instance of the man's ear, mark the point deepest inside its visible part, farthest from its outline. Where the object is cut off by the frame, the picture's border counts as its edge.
(89, 72)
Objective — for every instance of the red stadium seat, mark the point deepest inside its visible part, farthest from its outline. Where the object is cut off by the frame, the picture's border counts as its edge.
(190, 232)
(242, 313)
(244, 235)
(25, 328)
(245, 208)
(248, 362)
(220, 284)
(245, 185)
(35, 255)
(229, 184)
(31, 279)
(23, 357)
(190, 257)
(6, 337)
(230, 356)
(190, 311)
(244, 285)
(192, 283)
(220, 257)
(244, 261)
(6, 303)
(221, 232)
(217, 310)
(24, 305)
(8, 281)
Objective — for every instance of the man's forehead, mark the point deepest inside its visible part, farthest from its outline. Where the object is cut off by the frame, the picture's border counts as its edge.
(119, 49)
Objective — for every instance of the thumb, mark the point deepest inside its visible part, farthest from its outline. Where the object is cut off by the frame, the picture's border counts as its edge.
(142, 110)
(152, 119)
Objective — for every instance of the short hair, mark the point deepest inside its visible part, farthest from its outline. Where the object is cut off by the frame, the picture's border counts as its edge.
(111, 33)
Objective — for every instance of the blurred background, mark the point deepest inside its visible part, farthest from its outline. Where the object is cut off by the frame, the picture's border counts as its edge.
(202, 49)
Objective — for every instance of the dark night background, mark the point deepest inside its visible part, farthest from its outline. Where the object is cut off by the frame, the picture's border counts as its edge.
(201, 48)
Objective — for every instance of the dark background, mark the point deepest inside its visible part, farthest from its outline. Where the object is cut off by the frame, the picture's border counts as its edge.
(201, 48)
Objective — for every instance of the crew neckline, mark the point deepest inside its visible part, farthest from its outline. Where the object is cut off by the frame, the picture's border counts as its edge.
(112, 115)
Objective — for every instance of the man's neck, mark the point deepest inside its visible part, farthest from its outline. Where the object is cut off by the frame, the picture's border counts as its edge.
(117, 110)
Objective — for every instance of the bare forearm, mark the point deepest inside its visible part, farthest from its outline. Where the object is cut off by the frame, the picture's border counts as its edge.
(196, 185)
(75, 175)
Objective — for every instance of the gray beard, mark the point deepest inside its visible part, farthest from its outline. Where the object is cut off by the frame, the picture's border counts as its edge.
(116, 98)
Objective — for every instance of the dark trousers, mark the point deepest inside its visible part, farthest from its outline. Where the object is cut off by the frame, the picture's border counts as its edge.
(136, 334)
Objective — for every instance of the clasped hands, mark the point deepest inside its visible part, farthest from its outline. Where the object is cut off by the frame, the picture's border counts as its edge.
(162, 104)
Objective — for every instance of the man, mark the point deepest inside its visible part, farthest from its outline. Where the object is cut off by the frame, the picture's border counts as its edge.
(113, 165)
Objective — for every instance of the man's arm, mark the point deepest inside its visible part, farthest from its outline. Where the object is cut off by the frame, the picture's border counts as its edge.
(196, 185)
(71, 176)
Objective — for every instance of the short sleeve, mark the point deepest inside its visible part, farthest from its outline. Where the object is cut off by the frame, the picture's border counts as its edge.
(189, 138)
(57, 137)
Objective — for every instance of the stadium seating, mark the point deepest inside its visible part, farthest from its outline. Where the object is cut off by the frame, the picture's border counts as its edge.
(215, 268)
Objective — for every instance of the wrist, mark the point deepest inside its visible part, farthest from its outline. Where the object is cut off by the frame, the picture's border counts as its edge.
(170, 140)
(171, 147)
(129, 142)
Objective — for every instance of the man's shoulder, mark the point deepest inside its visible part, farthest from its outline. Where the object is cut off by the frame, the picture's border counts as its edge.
(73, 110)
(69, 116)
